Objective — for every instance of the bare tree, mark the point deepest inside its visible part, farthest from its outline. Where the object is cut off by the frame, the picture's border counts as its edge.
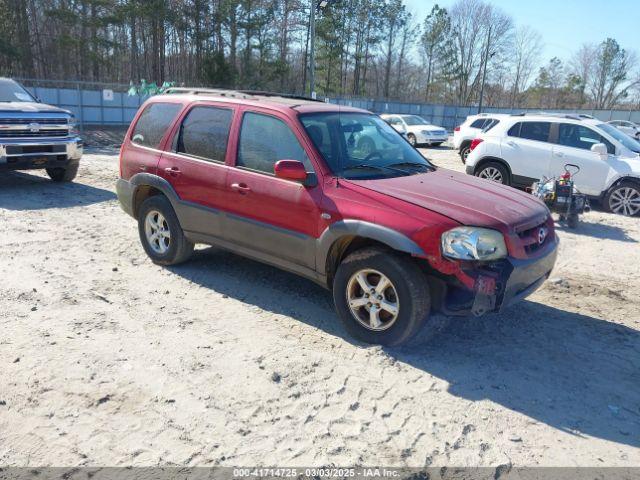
(527, 46)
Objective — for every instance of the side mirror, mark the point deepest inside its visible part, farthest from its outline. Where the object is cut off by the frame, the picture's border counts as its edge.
(290, 170)
(600, 149)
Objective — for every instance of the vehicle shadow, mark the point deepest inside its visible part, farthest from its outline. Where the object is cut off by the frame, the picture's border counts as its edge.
(597, 230)
(21, 191)
(573, 372)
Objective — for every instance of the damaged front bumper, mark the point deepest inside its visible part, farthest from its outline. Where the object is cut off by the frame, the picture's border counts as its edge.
(498, 285)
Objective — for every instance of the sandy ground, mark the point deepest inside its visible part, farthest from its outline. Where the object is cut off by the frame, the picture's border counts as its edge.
(107, 359)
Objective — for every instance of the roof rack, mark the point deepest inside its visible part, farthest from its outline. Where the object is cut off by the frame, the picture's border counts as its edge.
(546, 114)
(210, 91)
(259, 93)
(244, 94)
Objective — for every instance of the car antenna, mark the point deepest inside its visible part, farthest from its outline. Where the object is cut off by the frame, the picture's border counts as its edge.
(340, 160)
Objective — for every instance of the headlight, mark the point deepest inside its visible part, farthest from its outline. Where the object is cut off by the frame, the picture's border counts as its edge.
(426, 132)
(472, 243)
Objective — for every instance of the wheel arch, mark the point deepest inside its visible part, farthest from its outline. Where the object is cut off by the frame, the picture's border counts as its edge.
(484, 160)
(147, 185)
(464, 144)
(346, 236)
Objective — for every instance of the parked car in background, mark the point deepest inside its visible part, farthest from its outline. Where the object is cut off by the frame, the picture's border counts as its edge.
(417, 129)
(523, 149)
(630, 128)
(470, 129)
(36, 136)
(279, 180)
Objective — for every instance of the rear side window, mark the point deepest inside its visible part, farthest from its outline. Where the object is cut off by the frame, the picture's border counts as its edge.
(578, 136)
(264, 140)
(492, 122)
(204, 133)
(153, 123)
(538, 131)
(478, 123)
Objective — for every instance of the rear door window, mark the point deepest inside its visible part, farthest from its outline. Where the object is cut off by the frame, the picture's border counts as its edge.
(538, 131)
(204, 133)
(264, 140)
(153, 123)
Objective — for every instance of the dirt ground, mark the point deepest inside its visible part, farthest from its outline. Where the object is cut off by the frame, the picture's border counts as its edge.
(107, 359)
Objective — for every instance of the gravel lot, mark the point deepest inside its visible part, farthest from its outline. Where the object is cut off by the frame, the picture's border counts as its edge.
(107, 359)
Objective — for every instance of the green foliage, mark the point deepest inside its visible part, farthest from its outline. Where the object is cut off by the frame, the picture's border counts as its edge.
(145, 89)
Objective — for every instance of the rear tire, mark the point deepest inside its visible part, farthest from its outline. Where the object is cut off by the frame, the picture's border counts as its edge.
(60, 175)
(404, 302)
(494, 172)
(161, 234)
(464, 153)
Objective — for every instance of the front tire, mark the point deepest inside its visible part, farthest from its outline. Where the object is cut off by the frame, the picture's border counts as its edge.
(412, 140)
(62, 175)
(494, 172)
(161, 234)
(381, 297)
(624, 199)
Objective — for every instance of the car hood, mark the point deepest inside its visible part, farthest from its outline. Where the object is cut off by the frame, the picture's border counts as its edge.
(466, 199)
(29, 107)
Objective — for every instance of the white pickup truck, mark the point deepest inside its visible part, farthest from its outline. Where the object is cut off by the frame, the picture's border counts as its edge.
(36, 136)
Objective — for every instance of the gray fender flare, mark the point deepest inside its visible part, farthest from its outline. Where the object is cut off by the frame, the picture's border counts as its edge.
(348, 228)
(159, 183)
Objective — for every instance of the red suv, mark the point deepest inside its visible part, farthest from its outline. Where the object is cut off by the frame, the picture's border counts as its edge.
(333, 194)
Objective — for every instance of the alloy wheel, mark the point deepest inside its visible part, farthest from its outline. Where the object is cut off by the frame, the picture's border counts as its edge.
(373, 299)
(625, 201)
(157, 232)
(491, 173)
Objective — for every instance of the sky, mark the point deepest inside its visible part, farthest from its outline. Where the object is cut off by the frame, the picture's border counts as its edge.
(565, 24)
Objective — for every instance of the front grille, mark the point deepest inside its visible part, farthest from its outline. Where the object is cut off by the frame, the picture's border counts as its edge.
(27, 133)
(530, 238)
(40, 121)
(30, 127)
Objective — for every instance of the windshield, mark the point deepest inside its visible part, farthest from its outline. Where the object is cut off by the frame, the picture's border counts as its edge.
(413, 120)
(624, 139)
(362, 146)
(10, 91)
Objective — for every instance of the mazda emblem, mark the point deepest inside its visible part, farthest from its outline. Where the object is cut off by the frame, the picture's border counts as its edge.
(542, 235)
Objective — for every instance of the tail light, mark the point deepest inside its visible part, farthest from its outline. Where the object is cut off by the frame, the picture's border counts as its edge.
(474, 143)
(457, 129)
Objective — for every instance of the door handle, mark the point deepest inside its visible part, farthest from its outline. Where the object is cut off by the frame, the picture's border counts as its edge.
(242, 188)
(511, 144)
(173, 171)
(559, 154)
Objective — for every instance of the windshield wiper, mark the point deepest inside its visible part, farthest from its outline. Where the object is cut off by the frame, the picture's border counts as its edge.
(410, 164)
(362, 166)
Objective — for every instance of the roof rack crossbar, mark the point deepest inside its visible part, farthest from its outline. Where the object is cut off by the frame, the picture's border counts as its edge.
(246, 94)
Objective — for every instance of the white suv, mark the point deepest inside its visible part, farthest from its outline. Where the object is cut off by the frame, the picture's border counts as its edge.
(471, 128)
(522, 149)
(417, 129)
